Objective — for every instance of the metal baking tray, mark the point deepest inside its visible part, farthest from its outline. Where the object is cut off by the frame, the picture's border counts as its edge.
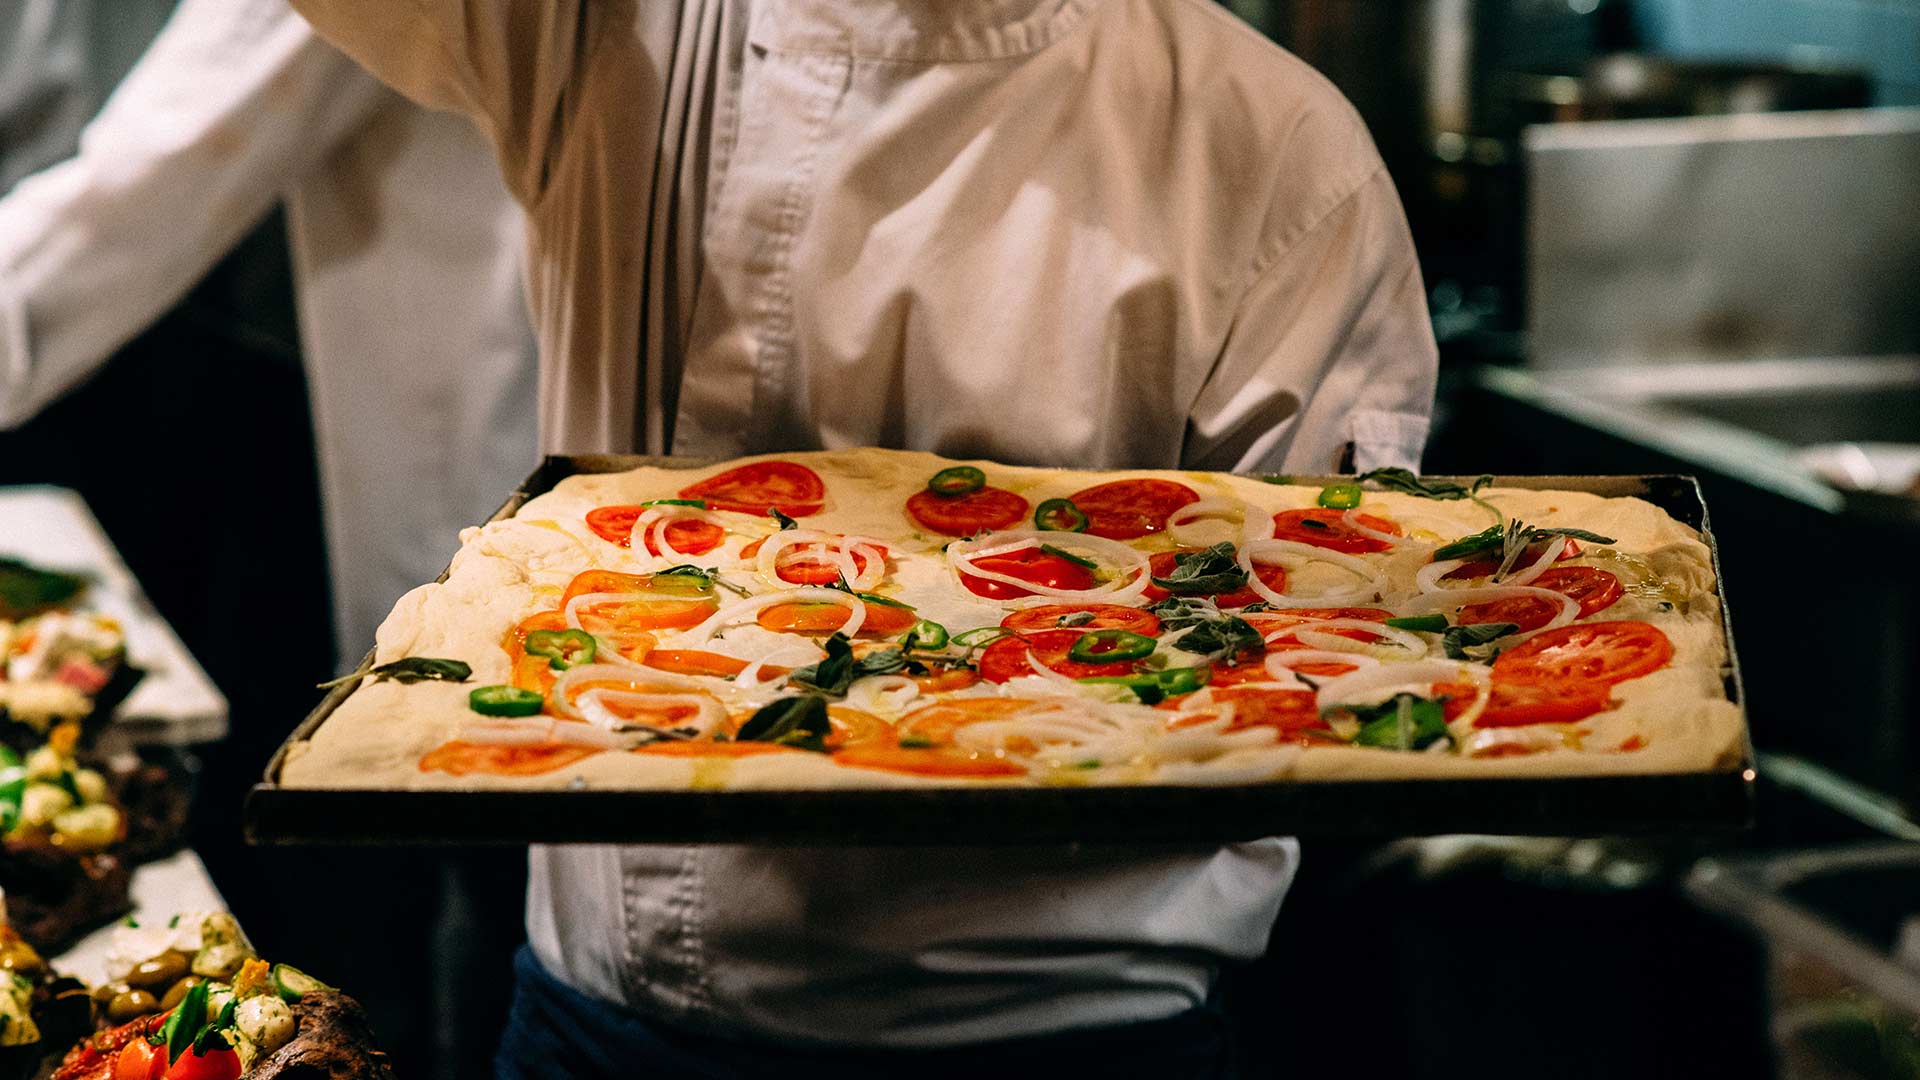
(1577, 806)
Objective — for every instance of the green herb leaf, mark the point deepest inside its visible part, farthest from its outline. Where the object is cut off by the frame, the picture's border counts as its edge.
(1221, 639)
(188, 1018)
(1405, 480)
(1487, 539)
(1204, 573)
(1180, 612)
(409, 669)
(838, 671)
(1077, 618)
(1403, 722)
(212, 1039)
(1471, 642)
(698, 504)
(28, 590)
(790, 721)
(1432, 624)
(781, 519)
(1076, 560)
(916, 742)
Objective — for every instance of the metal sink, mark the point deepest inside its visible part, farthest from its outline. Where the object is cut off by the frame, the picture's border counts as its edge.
(1746, 418)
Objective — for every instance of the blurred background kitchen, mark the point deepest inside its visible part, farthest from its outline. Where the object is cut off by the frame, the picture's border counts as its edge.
(1658, 236)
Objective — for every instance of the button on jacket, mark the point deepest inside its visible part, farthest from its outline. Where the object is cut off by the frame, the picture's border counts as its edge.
(1051, 232)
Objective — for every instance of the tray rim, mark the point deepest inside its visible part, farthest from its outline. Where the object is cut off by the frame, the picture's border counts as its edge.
(1722, 799)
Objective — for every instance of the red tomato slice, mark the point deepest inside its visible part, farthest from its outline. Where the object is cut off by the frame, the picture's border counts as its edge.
(793, 489)
(1027, 564)
(701, 662)
(1105, 617)
(1273, 622)
(1288, 711)
(614, 524)
(533, 673)
(674, 603)
(1330, 531)
(1594, 590)
(980, 510)
(687, 535)
(1126, 509)
(1162, 564)
(942, 679)
(140, 1060)
(819, 617)
(462, 758)
(213, 1065)
(1006, 658)
(1251, 670)
(808, 573)
(1479, 568)
(934, 724)
(1602, 653)
(1519, 704)
(704, 748)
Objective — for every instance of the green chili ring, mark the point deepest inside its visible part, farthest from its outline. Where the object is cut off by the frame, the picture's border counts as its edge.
(698, 504)
(1111, 646)
(957, 481)
(1341, 496)
(562, 648)
(1060, 515)
(505, 701)
(925, 636)
(1153, 687)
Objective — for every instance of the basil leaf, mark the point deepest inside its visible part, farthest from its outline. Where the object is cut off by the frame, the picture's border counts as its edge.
(28, 590)
(781, 519)
(1405, 480)
(409, 669)
(1221, 639)
(1204, 573)
(830, 676)
(790, 721)
(1487, 539)
(1432, 624)
(1256, 607)
(185, 1023)
(1180, 612)
(1404, 722)
(880, 662)
(1469, 642)
(1076, 560)
(1573, 534)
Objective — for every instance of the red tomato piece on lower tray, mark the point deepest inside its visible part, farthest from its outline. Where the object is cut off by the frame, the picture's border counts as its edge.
(759, 486)
(983, 509)
(1160, 565)
(1008, 657)
(1127, 509)
(1600, 653)
(1329, 529)
(1083, 617)
(1030, 565)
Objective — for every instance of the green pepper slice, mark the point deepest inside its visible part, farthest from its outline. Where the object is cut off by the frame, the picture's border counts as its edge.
(699, 504)
(925, 635)
(1153, 687)
(505, 701)
(1110, 646)
(1341, 496)
(562, 648)
(957, 481)
(1432, 624)
(1060, 515)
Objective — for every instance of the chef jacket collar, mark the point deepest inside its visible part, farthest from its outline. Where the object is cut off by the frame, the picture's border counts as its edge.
(915, 30)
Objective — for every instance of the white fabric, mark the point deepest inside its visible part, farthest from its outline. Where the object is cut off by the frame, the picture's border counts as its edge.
(1057, 232)
(406, 262)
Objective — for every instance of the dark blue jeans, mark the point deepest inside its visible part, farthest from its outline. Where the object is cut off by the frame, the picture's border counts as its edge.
(557, 1033)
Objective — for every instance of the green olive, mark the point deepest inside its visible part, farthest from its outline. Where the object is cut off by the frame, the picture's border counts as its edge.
(161, 971)
(132, 1005)
(106, 992)
(20, 957)
(179, 991)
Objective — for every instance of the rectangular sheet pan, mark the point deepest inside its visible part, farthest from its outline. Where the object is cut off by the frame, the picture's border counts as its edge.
(1608, 805)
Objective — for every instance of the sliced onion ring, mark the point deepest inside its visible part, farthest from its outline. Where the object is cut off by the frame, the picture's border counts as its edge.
(1129, 582)
(1351, 519)
(1455, 599)
(752, 605)
(1278, 552)
(1180, 523)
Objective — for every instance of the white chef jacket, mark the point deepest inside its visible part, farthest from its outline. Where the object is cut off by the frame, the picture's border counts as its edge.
(1059, 232)
(406, 252)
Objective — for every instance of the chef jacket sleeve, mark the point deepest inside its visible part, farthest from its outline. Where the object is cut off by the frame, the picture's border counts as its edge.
(228, 105)
(1331, 345)
(510, 65)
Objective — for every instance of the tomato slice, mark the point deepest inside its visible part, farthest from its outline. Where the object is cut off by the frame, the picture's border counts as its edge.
(701, 662)
(980, 510)
(1162, 564)
(1602, 653)
(140, 1060)
(707, 748)
(1006, 658)
(647, 602)
(1514, 704)
(1595, 590)
(1270, 623)
(689, 536)
(1126, 509)
(943, 679)
(801, 572)
(533, 673)
(1479, 568)
(460, 758)
(614, 524)
(1105, 617)
(929, 732)
(820, 617)
(1330, 531)
(1027, 564)
(1289, 711)
(212, 1065)
(791, 488)
(924, 761)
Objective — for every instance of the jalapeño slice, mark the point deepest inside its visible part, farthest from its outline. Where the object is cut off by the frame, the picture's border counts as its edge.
(1153, 687)
(957, 481)
(1340, 496)
(925, 635)
(1060, 515)
(1110, 646)
(562, 648)
(504, 701)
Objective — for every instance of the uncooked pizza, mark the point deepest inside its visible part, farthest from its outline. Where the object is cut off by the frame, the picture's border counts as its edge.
(867, 618)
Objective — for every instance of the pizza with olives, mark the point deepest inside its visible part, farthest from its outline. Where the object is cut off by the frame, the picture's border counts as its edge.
(888, 618)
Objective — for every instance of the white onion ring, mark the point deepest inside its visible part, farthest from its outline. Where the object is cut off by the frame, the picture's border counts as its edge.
(594, 707)
(1540, 565)
(653, 526)
(1046, 672)
(750, 675)
(1411, 645)
(831, 549)
(1455, 599)
(537, 731)
(1356, 687)
(1275, 552)
(755, 604)
(1351, 519)
(1532, 737)
(882, 695)
(559, 695)
(1428, 579)
(1288, 659)
(1180, 522)
(1130, 561)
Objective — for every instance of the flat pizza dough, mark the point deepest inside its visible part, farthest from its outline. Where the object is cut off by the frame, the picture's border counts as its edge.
(1677, 719)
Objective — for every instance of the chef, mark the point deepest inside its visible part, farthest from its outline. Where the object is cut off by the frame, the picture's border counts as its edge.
(1056, 232)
